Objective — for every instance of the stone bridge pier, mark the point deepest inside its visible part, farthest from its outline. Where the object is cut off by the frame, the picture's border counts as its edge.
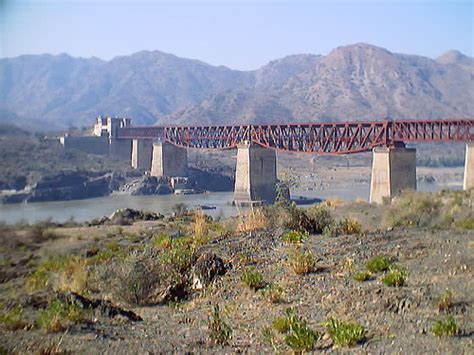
(255, 175)
(142, 151)
(393, 170)
(469, 167)
(168, 160)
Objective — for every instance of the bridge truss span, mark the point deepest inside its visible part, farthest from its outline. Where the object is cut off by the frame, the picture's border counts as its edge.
(315, 138)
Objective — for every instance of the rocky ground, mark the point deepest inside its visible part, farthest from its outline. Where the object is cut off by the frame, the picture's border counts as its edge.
(431, 238)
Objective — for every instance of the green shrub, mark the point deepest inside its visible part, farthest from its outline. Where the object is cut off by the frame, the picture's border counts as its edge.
(294, 236)
(180, 254)
(362, 276)
(253, 279)
(445, 301)
(58, 315)
(378, 264)
(298, 336)
(302, 262)
(466, 223)
(219, 332)
(344, 333)
(447, 327)
(161, 241)
(13, 319)
(395, 277)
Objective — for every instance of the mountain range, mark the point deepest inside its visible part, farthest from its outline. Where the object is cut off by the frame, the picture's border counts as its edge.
(355, 82)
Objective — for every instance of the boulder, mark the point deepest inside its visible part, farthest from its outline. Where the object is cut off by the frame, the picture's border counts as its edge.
(150, 185)
(126, 216)
(206, 268)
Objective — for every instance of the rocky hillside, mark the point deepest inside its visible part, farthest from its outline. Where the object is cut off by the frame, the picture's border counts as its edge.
(68, 91)
(358, 82)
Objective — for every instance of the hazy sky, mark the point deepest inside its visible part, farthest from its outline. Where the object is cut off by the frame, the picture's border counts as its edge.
(238, 34)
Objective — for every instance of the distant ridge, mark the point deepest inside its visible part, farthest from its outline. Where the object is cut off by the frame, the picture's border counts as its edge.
(353, 82)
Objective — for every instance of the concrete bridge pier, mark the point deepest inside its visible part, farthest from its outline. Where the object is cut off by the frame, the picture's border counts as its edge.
(169, 160)
(469, 167)
(142, 153)
(393, 170)
(255, 175)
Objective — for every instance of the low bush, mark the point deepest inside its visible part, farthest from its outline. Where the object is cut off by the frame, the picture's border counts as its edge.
(362, 276)
(180, 255)
(57, 316)
(346, 226)
(413, 209)
(350, 226)
(294, 236)
(344, 333)
(395, 277)
(378, 264)
(466, 223)
(298, 336)
(253, 279)
(445, 301)
(312, 220)
(219, 332)
(136, 278)
(274, 293)
(13, 318)
(252, 221)
(161, 241)
(446, 327)
(302, 261)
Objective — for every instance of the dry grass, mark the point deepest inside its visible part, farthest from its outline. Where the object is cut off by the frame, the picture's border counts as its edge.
(252, 221)
(302, 261)
(200, 227)
(333, 202)
(75, 276)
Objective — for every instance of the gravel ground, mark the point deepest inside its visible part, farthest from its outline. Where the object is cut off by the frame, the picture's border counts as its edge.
(397, 319)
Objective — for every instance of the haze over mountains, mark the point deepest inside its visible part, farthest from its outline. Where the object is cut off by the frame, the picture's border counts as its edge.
(356, 82)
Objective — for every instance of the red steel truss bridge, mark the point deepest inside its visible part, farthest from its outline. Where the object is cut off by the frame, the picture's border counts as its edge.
(316, 138)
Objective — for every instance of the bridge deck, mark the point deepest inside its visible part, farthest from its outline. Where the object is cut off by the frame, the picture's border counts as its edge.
(315, 138)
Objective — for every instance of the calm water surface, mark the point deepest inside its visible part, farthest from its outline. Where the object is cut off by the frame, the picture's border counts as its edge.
(84, 210)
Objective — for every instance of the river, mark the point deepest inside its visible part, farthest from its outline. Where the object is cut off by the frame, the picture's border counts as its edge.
(84, 210)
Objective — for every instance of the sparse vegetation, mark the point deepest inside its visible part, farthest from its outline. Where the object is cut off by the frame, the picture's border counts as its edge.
(57, 316)
(12, 319)
(445, 301)
(344, 333)
(274, 293)
(252, 221)
(302, 261)
(362, 276)
(395, 277)
(378, 264)
(253, 279)
(200, 227)
(294, 236)
(298, 336)
(219, 332)
(346, 226)
(446, 327)
(162, 263)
